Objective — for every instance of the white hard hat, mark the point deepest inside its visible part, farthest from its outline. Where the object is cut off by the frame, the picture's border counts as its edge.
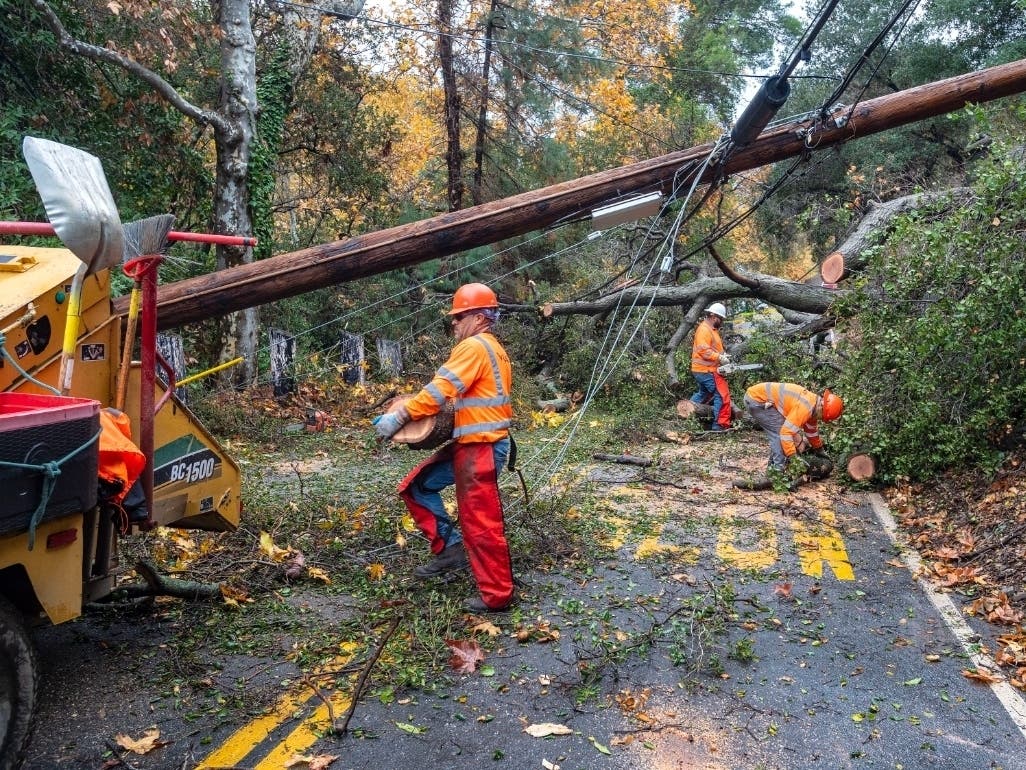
(716, 308)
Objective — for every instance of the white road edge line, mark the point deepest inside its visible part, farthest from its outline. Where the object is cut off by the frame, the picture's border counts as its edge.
(1012, 702)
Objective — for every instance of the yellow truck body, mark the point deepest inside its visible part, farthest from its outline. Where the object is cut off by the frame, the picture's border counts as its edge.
(196, 483)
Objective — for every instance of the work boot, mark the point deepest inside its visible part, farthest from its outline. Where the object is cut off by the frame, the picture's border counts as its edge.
(453, 557)
(475, 606)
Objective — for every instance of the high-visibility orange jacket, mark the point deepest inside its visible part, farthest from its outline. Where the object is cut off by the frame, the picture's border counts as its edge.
(798, 406)
(705, 353)
(478, 375)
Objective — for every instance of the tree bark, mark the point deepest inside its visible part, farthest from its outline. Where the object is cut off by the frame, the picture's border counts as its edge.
(850, 256)
(453, 153)
(477, 191)
(787, 294)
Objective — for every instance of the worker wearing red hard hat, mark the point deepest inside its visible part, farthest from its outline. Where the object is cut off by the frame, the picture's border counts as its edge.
(789, 415)
(478, 376)
(707, 355)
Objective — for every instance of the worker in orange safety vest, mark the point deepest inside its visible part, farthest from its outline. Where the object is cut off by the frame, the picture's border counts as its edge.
(707, 355)
(478, 376)
(790, 414)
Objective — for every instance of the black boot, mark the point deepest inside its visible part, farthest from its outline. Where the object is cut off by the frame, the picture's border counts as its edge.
(452, 558)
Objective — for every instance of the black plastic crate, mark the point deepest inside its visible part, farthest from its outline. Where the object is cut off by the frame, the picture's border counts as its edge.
(35, 430)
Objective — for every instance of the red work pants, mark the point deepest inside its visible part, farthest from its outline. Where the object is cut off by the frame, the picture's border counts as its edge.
(472, 467)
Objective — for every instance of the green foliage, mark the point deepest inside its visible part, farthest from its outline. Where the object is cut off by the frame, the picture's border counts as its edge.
(937, 334)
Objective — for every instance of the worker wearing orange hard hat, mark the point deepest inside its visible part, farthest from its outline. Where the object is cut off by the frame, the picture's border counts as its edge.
(478, 377)
(707, 356)
(790, 414)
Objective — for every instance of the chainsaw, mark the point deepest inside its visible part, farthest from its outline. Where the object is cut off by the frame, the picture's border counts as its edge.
(731, 368)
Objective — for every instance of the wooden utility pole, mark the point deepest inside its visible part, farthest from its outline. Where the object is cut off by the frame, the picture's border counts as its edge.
(286, 275)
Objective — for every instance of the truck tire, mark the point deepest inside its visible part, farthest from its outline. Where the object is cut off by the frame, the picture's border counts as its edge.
(18, 674)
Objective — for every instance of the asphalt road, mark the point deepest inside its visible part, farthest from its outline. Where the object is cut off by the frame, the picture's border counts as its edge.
(777, 635)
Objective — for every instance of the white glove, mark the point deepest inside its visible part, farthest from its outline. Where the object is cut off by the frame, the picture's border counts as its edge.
(386, 425)
(724, 359)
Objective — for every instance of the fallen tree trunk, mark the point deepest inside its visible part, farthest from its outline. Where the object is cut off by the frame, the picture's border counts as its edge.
(850, 256)
(787, 294)
(286, 275)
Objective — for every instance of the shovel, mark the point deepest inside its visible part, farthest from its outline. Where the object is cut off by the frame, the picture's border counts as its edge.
(78, 203)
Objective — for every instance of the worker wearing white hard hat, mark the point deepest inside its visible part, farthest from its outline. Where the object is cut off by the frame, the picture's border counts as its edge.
(707, 355)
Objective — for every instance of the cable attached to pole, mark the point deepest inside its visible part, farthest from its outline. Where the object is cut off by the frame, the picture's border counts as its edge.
(775, 90)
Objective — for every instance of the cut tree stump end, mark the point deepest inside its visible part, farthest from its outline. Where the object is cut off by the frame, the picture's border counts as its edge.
(861, 466)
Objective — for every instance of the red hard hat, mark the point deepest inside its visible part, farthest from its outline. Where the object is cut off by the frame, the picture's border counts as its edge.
(473, 296)
(833, 406)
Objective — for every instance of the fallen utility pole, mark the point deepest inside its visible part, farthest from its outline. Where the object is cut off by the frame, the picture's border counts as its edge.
(297, 272)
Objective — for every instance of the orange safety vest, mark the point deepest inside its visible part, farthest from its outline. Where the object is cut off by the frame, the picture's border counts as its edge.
(120, 459)
(797, 405)
(478, 375)
(705, 353)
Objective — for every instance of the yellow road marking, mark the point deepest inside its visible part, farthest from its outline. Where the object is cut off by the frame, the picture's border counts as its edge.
(248, 737)
(762, 556)
(251, 735)
(822, 544)
(306, 734)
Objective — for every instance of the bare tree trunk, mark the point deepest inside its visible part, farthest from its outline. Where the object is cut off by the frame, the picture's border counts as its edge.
(687, 323)
(477, 194)
(453, 154)
(231, 198)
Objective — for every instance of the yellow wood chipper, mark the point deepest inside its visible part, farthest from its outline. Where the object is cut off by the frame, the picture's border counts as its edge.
(64, 370)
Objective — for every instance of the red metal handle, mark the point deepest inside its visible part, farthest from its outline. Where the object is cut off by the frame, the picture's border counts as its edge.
(45, 228)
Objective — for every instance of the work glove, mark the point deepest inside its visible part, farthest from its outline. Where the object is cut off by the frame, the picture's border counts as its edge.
(724, 359)
(386, 425)
(822, 453)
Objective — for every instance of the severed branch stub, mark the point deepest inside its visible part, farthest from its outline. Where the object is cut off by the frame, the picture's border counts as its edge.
(161, 585)
(644, 462)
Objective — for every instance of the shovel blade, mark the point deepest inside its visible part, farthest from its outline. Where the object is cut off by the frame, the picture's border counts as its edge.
(77, 200)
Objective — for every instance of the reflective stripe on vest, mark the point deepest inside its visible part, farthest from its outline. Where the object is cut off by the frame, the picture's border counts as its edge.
(501, 399)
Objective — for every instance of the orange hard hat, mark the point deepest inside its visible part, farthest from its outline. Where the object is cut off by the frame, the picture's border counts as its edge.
(833, 406)
(473, 296)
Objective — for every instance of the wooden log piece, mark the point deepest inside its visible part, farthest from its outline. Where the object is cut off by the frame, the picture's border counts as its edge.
(687, 408)
(861, 466)
(560, 404)
(644, 462)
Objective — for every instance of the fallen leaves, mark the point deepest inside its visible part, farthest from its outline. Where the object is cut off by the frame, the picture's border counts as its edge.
(981, 675)
(545, 729)
(313, 762)
(996, 609)
(466, 654)
(292, 560)
(541, 632)
(149, 741)
(782, 590)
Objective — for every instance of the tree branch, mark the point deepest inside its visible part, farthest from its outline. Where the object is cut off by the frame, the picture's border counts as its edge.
(776, 291)
(161, 86)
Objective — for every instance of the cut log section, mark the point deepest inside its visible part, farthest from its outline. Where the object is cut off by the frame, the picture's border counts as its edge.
(687, 408)
(832, 271)
(861, 466)
(644, 462)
